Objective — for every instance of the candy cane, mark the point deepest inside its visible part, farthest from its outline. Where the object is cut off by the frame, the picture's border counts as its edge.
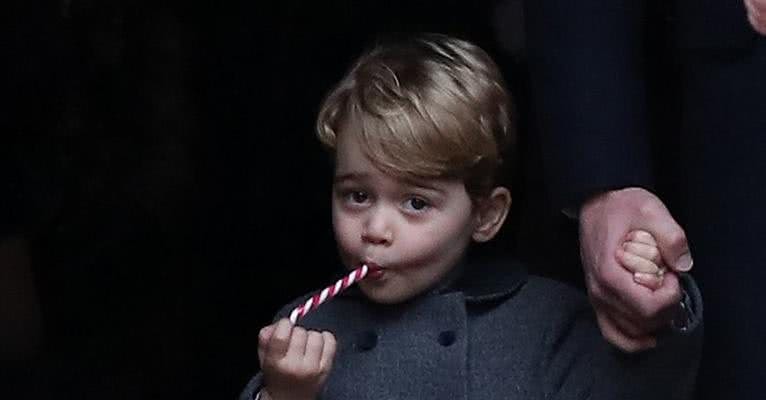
(329, 292)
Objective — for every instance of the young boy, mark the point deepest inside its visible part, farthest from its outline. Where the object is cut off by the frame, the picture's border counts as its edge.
(418, 129)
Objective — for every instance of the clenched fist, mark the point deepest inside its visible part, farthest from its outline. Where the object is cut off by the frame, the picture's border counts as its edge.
(295, 362)
(629, 315)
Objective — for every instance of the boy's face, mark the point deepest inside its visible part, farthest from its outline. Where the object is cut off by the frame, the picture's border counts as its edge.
(416, 231)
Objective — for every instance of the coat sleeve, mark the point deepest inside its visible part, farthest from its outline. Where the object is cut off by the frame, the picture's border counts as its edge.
(588, 95)
(252, 388)
(580, 364)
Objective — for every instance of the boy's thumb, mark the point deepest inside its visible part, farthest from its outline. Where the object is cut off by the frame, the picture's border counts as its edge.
(265, 334)
(263, 338)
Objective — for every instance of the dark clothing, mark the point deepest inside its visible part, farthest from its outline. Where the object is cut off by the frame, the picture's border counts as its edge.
(669, 96)
(495, 333)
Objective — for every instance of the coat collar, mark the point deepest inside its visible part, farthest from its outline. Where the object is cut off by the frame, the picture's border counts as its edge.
(487, 279)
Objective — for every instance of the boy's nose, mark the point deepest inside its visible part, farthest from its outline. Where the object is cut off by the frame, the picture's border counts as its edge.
(376, 237)
(377, 230)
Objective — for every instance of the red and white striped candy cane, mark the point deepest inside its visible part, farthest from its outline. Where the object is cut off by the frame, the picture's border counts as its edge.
(328, 293)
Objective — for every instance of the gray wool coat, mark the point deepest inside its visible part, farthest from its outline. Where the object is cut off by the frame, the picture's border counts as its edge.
(495, 333)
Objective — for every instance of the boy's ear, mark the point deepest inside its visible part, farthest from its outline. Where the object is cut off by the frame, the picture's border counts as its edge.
(491, 213)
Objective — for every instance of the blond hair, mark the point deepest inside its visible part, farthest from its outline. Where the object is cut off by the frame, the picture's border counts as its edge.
(431, 106)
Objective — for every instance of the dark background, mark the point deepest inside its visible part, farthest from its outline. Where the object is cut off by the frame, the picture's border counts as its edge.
(162, 190)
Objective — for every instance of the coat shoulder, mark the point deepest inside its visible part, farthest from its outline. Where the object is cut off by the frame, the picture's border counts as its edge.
(554, 296)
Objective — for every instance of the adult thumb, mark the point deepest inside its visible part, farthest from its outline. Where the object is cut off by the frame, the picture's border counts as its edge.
(674, 247)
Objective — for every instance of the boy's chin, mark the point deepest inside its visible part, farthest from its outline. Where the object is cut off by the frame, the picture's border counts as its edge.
(383, 295)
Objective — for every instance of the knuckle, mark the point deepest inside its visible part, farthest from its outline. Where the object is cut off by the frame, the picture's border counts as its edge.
(298, 369)
(648, 208)
(314, 341)
(677, 237)
(282, 367)
(281, 337)
(654, 254)
(306, 373)
(673, 293)
(643, 235)
(269, 364)
(329, 339)
(675, 297)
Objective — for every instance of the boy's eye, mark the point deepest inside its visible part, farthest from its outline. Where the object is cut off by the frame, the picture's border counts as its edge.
(358, 197)
(417, 204)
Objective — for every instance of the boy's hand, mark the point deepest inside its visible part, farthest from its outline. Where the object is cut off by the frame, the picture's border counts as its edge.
(295, 362)
(640, 255)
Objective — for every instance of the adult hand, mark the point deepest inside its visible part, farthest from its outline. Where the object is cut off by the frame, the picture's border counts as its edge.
(295, 362)
(629, 314)
(756, 14)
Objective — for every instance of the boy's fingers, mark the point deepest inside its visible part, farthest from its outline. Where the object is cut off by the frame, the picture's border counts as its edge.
(655, 311)
(265, 333)
(634, 263)
(641, 236)
(298, 340)
(280, 339)
(635, 302)
(314, 345)
(328, 352)
(652, 281)
(263, 339)
(649, 252)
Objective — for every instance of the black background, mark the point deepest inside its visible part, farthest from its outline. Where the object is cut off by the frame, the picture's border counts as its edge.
(160, 172)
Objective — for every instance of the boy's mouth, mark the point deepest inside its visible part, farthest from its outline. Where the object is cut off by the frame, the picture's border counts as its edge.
(375, 271)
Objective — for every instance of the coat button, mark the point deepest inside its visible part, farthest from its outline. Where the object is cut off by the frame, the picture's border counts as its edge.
(446, 338)
(366, 341)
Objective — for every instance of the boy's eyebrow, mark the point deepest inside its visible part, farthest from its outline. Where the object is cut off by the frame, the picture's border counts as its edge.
(424, 184)
(349, 176)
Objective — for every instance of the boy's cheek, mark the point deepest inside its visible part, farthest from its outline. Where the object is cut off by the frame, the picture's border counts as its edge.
(345, 237)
